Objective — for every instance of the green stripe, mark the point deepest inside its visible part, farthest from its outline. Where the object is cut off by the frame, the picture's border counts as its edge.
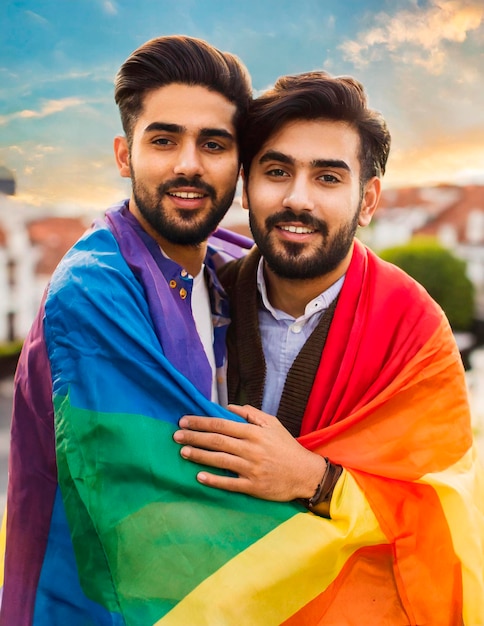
(125, 486)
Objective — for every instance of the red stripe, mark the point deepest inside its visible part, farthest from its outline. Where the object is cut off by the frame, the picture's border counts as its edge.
(382, 320)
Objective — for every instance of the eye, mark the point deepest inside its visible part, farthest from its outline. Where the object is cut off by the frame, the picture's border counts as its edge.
(276, 173)
(213, 146)
(329, 178)
(162, 141)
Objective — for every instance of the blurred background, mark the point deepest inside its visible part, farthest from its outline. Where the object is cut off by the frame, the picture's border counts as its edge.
(422, 64)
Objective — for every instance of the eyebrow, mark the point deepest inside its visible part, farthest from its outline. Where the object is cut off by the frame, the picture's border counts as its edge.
(274, 155)
(179, 129)
(216, 132)
(335, 163)
(163, 126)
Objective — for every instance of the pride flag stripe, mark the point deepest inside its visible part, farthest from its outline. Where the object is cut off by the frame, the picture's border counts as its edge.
(284, 570)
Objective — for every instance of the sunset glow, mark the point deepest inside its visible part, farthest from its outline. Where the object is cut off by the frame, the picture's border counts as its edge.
(422, 63)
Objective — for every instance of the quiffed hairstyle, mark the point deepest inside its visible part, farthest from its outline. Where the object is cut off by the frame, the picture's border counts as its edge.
(185, 60)
(313, 96)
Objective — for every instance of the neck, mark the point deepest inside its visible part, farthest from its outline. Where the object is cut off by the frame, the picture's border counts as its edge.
(190, 257)
(293, 295)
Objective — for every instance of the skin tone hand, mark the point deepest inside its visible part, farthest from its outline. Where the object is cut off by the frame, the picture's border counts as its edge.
(270, 464)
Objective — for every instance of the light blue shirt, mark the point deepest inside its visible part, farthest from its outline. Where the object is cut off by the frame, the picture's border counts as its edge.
(283, 336)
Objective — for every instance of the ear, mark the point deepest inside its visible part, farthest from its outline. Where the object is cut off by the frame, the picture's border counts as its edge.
(121, 154)
(370, 200)
(245, 202)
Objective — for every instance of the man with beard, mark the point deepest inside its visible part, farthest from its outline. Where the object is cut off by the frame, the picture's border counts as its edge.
(130, 336)
(360, 367)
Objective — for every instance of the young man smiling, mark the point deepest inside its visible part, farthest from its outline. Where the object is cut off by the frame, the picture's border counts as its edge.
(360, 367)
(183, 174)
(130, 334)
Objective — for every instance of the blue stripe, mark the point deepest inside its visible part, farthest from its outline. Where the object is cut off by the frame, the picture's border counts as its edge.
(60, 600)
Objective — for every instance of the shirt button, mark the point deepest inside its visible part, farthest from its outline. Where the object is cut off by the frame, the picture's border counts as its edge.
(183, 293)
(296, 329)
(173, 284)
(183, 273)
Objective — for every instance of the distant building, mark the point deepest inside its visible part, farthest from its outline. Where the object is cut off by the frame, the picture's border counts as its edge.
(7, 181)
(31, 245)
(452, 214)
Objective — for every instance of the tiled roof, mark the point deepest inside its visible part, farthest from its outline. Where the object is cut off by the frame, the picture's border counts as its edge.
(445, 205)
(54, 236)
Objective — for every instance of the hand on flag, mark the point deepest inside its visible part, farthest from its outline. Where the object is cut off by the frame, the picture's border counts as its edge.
(268, 462)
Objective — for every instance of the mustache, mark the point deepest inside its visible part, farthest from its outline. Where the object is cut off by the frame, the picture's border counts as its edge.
(181, 181)
(305, 218)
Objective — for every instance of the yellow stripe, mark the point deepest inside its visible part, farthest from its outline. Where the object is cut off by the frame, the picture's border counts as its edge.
(3, 541)
(461, 492)
(286, 569)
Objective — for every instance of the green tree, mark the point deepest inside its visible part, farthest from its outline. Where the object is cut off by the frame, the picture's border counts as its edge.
(441, 273)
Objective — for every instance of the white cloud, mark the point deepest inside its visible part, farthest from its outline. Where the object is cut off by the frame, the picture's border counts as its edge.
(35, 17)
(110, 7)
(16, 149)
(49, 108)
(422, 33)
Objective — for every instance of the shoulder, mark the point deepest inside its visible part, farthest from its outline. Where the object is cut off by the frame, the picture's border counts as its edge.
(389, 291)
(95, 275)
(395, 281)
(92, 255)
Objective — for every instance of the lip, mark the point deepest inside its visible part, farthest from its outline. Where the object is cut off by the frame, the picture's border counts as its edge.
(187, 197)
(298, 232)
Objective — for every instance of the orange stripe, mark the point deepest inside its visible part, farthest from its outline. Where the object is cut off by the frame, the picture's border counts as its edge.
(461, 492)
(364, 590)
(419, 424)
(412, 518)
(413, 588)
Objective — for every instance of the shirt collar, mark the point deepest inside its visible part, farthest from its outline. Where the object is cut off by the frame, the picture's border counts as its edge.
(316, 305)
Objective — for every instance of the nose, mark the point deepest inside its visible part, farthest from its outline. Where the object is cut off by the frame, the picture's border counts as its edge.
(298, 196)
(188, 160)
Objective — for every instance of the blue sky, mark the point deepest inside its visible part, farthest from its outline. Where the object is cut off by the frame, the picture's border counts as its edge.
(422, 63)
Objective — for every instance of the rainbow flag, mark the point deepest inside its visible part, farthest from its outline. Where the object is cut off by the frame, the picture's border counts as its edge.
(107, 524)
(389, 403)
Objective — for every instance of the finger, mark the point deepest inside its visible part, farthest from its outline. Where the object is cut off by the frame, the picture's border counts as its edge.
(252, 415)
(227, 483)
(220, 460)
(239, 410)
(213, 425)
(209, 441)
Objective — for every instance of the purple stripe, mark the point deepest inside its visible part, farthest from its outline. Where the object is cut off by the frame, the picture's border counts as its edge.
(32, 485)
(222, 235)
(172, 317)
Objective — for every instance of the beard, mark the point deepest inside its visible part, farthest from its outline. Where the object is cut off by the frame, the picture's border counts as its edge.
(293, 262)
(188, 227)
